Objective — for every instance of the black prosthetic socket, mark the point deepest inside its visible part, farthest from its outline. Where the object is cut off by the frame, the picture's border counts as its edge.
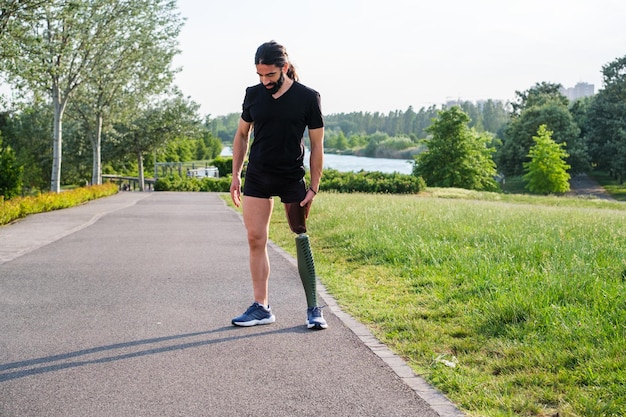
(296, 216)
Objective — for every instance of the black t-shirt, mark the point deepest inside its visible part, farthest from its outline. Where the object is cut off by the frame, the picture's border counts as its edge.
(278, 144)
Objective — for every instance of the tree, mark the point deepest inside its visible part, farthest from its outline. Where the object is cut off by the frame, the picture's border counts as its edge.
(10, 172)
(67, 43)
(457, 156)
(28, 132)
(163, 121)
(606, 121)
(136, 65)
(538, 95)
(15, 10)
(212, 146)
(546, 172)
(495, 116)
(542, 104)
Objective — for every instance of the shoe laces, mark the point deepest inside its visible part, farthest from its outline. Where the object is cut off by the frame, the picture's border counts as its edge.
(255, 306)
(317, 311)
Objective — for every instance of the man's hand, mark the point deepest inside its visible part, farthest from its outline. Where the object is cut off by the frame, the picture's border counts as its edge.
(308, 200)
(235, 191)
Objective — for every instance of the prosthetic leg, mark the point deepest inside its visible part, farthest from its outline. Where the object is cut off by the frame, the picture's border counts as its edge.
(296, 216)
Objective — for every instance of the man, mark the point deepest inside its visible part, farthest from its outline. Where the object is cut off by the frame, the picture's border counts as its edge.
(279, 109)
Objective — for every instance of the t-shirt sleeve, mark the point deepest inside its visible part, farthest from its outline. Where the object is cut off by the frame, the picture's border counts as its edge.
(245, 107)
(316, 119)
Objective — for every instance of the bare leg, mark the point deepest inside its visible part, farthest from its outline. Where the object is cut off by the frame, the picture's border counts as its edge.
(256, 217)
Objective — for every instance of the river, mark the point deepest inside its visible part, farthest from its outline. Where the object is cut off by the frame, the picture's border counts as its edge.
(350, 163)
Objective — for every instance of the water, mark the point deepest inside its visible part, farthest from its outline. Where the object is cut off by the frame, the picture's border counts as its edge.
(351, 163)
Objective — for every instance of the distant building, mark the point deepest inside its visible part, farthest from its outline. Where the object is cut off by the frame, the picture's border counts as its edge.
(580, 90)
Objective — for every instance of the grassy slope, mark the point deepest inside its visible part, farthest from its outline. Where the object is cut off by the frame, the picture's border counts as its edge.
(524, 294)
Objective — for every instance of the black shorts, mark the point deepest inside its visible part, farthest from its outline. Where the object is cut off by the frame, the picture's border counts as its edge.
(264, 185)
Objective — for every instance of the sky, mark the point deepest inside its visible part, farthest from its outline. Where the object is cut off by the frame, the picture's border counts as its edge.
(382, 56)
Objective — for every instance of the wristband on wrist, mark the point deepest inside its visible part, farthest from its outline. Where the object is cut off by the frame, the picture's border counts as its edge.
(311, 189)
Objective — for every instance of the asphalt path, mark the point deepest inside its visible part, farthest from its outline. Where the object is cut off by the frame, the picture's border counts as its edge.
(122, 307)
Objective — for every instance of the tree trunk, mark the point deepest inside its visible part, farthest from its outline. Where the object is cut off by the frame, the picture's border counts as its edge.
(140, 168)
(57, 141)
(96, 144)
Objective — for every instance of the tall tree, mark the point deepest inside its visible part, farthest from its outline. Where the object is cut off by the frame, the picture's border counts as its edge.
(606, 121)
(60, 47)
(546, 172)
(137, 64)
(457, 156)
(160, 122)
(495, 116)
(542, 104)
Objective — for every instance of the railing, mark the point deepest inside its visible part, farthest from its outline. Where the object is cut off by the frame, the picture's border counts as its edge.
(129, 183)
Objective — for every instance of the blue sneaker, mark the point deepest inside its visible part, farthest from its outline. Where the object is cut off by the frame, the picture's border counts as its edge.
(315, 318)
(255, 314)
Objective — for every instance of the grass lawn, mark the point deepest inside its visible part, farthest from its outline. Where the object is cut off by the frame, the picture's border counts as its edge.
(512, 305)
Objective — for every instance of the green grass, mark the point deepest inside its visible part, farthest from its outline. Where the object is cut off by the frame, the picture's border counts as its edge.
(524, 294)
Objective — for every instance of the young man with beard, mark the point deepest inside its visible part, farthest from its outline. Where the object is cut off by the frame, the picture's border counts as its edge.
(279, 109)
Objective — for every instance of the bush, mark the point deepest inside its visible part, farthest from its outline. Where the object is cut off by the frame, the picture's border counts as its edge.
(371, 182)
(223, 165)
(20, 207)
(343, 182)
(178, 183)
(10, 172)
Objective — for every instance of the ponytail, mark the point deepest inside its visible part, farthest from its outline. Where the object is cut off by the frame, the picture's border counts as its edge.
(272, 53)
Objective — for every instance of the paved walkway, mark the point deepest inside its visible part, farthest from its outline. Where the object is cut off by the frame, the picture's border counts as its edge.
(122, 307)
(583, 185)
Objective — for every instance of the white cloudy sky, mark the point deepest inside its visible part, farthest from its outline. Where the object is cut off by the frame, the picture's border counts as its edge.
(366, 55)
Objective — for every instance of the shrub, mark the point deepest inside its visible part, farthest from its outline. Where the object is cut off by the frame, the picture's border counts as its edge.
(20, 207)
(371, 182)
(223, 165)
(207, 184)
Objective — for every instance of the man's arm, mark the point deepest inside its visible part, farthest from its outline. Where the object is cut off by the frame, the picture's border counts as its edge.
(240, 149)
(316, 162)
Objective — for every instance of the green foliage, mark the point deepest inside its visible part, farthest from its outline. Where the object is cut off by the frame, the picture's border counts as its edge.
(371, 182)
(178, 183)
(332, 180)
(174, 116)
(457, 156)
(104, 53)
(351, 131)
(10, 172)
(542, 104)
(546, 172)
(376, 145)
(606, 124)
(19, 207)
(28, 133)
(223, 165)
(213, 146)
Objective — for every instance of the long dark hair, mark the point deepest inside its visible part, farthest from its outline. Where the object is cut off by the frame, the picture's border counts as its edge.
(272, 53)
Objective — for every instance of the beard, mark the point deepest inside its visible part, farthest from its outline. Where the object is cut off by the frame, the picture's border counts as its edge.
(276, 86)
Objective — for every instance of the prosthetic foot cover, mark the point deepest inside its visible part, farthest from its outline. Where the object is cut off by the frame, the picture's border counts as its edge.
(306, 268)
